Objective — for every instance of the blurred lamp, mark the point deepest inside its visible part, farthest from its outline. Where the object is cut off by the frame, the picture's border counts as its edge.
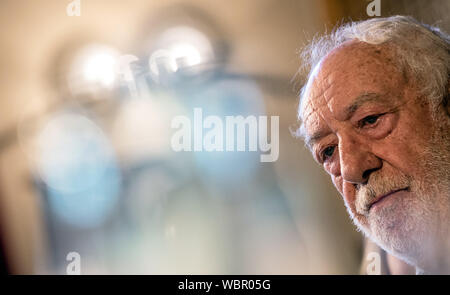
(180, 49)
(92, 69)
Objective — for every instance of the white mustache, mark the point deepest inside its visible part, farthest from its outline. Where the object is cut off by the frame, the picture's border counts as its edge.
(377, 186)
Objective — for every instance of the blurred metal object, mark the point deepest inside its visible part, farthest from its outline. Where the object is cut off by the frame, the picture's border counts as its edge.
(94, 67)
(180, 49)
(181, 42)
(86, 71)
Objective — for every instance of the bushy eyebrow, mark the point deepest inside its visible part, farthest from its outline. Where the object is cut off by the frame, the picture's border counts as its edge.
(311, 140)
(361, 100)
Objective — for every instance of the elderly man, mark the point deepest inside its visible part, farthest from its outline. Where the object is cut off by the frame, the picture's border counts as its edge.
(375, 113)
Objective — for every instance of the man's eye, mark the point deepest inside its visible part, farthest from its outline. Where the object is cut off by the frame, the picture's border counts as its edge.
(328, 152)
(369, 120)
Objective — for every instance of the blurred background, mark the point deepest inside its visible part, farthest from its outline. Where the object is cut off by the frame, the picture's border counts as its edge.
(86, 164)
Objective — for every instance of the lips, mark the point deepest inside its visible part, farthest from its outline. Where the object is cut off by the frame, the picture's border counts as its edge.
(382, 197)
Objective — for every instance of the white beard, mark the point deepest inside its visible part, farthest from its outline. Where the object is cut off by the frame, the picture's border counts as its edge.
(416, 229)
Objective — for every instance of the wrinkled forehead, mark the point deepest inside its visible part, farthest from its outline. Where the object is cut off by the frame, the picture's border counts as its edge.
(346, 72)
(314, 97)
(308, 105)
(307, 92)
(319, 76)
(351, 54)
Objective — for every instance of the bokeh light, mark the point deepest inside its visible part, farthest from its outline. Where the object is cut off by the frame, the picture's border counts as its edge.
(179, 48)
(77, 164)
(93, 67)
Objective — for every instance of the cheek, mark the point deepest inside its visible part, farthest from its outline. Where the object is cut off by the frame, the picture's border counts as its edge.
(404, 149)
(349, 195)
(347, 191)
(333, 167)
(337, 181)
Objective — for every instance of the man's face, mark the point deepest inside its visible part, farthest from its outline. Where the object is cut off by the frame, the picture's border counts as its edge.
(366, 123)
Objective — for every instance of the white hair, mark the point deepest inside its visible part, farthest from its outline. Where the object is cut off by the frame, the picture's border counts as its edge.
(422, 51)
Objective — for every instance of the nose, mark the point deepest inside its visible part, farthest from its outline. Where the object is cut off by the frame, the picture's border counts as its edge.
(357, 162)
